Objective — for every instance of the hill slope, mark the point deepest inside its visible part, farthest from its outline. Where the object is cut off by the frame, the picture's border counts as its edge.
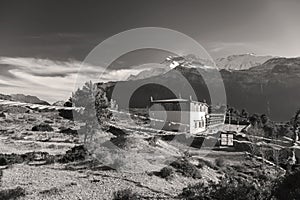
(270, 88)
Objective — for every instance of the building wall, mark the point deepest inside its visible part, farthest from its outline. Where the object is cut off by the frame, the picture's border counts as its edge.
(216, 119)
(197, 117)
(192, 114)
(181, 117)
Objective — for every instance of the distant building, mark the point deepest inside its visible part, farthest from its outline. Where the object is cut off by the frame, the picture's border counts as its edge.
(182, 115)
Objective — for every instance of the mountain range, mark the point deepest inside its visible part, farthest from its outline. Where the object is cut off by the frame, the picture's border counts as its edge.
(230, 63)
(270, 87)
(241, 62)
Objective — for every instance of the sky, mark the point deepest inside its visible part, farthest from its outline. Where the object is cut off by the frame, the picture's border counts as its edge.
(42, 43)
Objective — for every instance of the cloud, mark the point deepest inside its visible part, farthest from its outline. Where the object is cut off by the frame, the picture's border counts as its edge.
(53, 80)
(46, 67)
(220, 46)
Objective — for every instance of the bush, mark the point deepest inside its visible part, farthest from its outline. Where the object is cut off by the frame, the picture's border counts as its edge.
(67, 114)
(220, 162)
(126, 194)
(3, 161)
(186, 168)
(43, 127)
(228, 188)
(207, 163)
(51, 191)
(12, 193)
(166, 172)
(77, 153)
(288, 187)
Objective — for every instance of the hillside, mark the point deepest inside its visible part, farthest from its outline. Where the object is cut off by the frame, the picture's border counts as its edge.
(268, 88)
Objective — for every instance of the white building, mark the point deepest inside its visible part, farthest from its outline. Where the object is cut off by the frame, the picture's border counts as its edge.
(180, 115)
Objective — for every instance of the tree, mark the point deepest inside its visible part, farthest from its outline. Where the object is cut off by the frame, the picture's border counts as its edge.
(244, 114)
(255, 121)
(95, 104)
(296, 124)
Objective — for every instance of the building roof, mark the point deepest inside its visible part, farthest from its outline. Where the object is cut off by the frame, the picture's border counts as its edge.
(180, 100)
(170, 100)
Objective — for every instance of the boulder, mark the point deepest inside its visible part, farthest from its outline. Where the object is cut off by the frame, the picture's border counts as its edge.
(69, 131)
(3, 115)
(43, 127)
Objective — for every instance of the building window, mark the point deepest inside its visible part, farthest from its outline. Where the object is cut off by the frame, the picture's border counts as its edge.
(226, 139)
(195, 124)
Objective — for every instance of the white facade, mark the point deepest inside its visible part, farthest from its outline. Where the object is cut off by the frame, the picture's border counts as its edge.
(178, 115)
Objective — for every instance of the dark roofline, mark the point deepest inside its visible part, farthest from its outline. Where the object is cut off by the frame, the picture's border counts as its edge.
(176, 100)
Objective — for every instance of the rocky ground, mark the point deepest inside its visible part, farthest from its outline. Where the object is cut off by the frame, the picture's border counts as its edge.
(52, 175)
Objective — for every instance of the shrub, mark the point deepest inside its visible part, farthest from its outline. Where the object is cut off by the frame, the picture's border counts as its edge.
(126, 194)
(220, 162)
(77, 153)
(186, 168)
(288, 187)
(12, 193)
(51, 191)
(228, 188)
(166, 172)
(42, 127)
(207, 163)
(3, 161)
(67, 114)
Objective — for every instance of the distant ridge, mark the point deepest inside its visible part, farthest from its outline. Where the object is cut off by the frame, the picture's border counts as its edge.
(241, 62)
(230, 63)
(23, 98)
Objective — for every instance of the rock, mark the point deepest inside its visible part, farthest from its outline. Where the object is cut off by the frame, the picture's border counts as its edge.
(116, 131)
(2, 115)
(31, 119)
(69, 131)
(43, 127)
(10, 131)
(48, 122)
(38, 163)
(3, 161)
(9, 120)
